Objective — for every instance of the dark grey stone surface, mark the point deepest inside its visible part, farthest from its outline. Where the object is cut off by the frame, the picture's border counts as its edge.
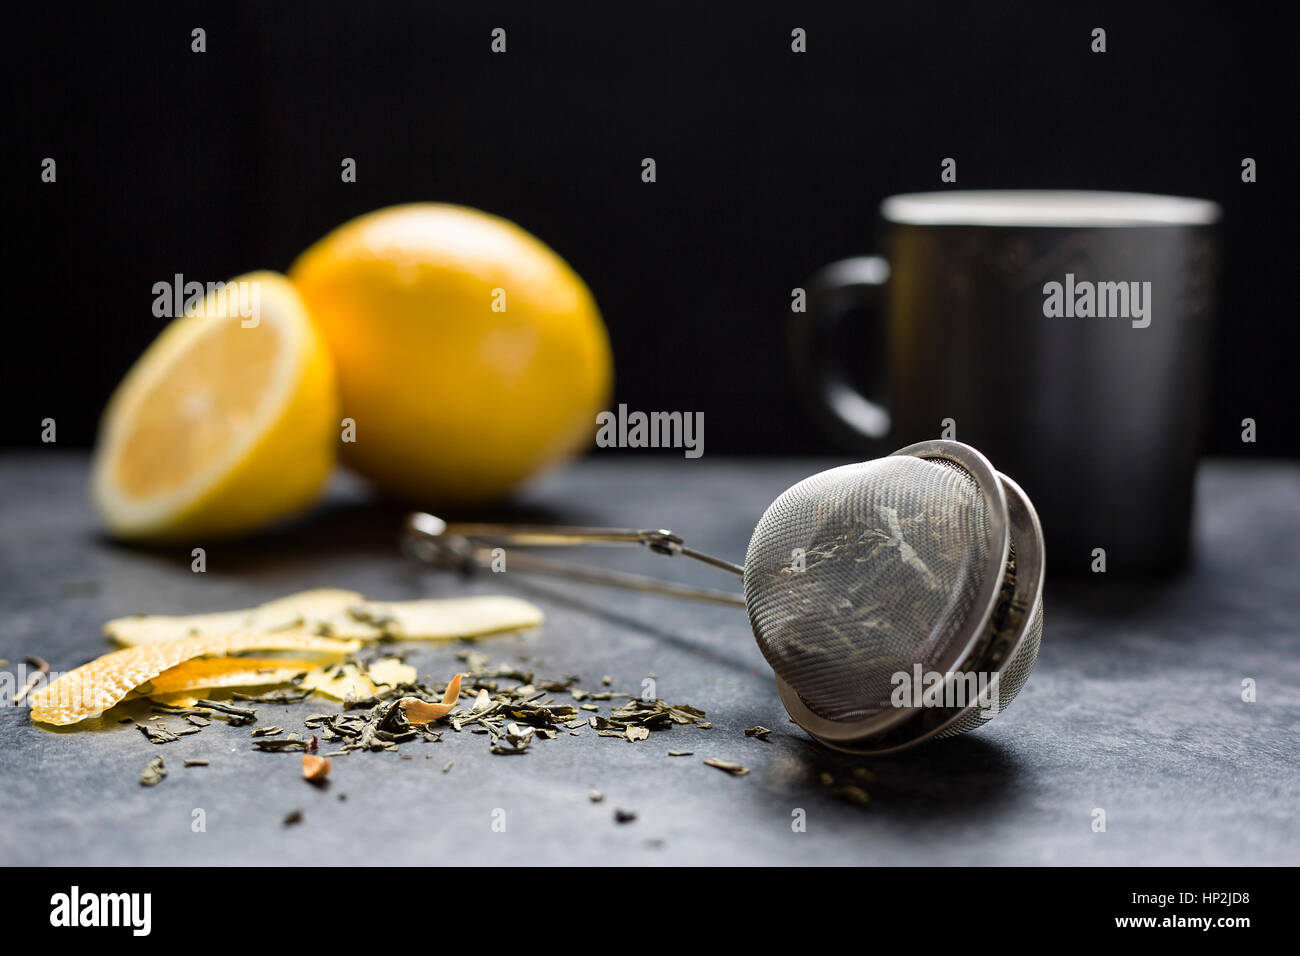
(1135, 706)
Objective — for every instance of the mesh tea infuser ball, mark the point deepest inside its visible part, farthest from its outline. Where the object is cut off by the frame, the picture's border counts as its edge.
(896, 600)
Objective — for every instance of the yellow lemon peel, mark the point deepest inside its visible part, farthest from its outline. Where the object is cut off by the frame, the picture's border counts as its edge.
(93, 688)
(340, 681)
(422, 712)
(227, 672)
(343, 614)
(389, 672)
(451, 618)
(322, 611)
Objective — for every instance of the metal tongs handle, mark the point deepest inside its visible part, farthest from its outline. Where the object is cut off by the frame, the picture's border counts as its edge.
(469, 548)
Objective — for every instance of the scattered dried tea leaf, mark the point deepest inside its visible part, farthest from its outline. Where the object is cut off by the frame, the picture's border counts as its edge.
(515, 740)
(759, 731)
(283, 695)
(509, 707)
(93, 688)
(595, 796)
(153, 773)
(851, 794)
(624, 816)
(157, 734)
(294, 816)
(681, 753)
(235, 716)
(726, 766)
(196, 762)
(648, 714)
(315, 768)
(422, 712)
(277, 745)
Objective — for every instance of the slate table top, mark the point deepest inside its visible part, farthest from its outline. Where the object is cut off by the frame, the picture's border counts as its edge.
(1135, 706)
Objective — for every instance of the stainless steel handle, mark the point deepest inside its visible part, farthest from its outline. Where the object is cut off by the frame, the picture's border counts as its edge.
(468, 547)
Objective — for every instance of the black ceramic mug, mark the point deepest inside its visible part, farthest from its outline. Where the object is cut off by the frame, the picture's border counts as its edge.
(1064, 334)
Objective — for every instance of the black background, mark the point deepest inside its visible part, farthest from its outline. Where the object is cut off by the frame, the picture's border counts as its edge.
(1087, 900)
(769, 165)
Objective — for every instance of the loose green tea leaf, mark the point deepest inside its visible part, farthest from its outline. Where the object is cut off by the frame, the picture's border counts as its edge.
(157, 735)
(153, 773)
(237, 716)
(282, 696)
(284, 744)
(506, 704)
(514, 741)
(761, 732)
(851, 794)
(726, 766)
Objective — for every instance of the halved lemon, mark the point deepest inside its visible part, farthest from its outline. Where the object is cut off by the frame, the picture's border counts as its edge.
(229, 420)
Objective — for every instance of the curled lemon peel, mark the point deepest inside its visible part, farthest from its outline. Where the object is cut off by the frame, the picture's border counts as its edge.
(422, 712)
(93, 688)
(227, 672)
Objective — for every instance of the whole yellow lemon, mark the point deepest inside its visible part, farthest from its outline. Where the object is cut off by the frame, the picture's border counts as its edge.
(469, 354)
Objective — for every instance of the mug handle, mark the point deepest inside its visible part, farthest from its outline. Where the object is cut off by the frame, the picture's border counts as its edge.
(833, 292)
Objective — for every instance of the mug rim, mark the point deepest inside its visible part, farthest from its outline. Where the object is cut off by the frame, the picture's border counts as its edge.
(1049, 208)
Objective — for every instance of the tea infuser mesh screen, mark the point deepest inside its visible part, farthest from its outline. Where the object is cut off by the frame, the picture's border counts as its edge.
(1010, 680)
(863, 571)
